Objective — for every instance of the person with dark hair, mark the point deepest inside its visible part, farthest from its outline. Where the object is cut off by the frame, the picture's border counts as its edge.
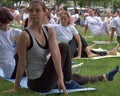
(75, 17)
(36, 44)
(97, 12)
(64, 8)
(15, 12)
(8, 37)
(57, 16)
(25, 17)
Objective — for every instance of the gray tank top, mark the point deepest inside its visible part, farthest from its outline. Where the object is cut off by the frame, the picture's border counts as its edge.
(36, 57)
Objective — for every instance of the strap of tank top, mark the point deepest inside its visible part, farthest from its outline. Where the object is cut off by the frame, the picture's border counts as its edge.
(31, 40)
(45, 28)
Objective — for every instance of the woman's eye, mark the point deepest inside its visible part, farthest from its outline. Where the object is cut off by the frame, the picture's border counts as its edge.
(30, 10)
(37, 10)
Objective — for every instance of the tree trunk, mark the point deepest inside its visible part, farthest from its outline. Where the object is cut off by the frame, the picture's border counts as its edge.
(0, 3)
(75, 5)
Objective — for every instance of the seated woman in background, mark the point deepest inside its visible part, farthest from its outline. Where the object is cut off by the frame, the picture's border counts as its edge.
(75, 18)
(25, 17)
(8, 37)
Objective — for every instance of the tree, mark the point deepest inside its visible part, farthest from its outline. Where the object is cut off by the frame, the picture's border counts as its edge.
(116, 4)
(0, 3)
(58, 2)
(12, 2)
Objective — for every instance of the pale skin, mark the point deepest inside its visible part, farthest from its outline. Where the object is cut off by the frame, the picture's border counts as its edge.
(91, 13)
(78, 40)
(108, 15)
(36, 14)
(112, 36)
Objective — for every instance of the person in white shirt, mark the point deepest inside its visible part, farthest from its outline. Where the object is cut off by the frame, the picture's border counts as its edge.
(16, 14)
(8, 37)
(75, 17)
(116, 13)
(25, 16)
(95, 24)
(115, 24)
(108, 18)
(57, 16)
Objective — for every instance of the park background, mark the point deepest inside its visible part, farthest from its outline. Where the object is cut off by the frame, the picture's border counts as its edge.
(91, 66)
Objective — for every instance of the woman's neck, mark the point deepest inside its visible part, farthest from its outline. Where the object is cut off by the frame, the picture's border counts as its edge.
(46, 20)
(4, 27)
(65, 25)
(108, 16)
(35, 27)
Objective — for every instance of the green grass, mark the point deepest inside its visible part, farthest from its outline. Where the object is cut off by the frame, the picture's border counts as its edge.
(90, 67)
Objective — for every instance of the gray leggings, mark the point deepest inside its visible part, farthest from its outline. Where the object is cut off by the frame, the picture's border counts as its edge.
(49, 78)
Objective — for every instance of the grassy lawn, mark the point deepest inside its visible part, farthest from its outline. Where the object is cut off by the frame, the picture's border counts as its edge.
(90, 67)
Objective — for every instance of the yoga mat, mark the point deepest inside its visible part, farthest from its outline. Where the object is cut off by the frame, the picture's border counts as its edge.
(56, 91)
(53, 91)
(103, 42)
(89, 36)
(100, 57)
(100, 49)
(75, 66)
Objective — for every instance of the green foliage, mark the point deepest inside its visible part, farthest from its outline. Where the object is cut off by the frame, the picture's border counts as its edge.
(116, 4)
(12, 2)
(58, 2)
(104, 3)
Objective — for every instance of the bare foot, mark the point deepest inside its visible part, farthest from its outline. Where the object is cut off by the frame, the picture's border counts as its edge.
(93, 55)
(112, 52)
(119, 71)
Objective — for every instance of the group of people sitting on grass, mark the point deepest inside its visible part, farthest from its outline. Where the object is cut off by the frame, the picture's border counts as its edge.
(42, 51)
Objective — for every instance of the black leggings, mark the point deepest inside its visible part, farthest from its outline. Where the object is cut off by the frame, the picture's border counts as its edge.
(49, 78)
(73, 45)
(13, 76)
